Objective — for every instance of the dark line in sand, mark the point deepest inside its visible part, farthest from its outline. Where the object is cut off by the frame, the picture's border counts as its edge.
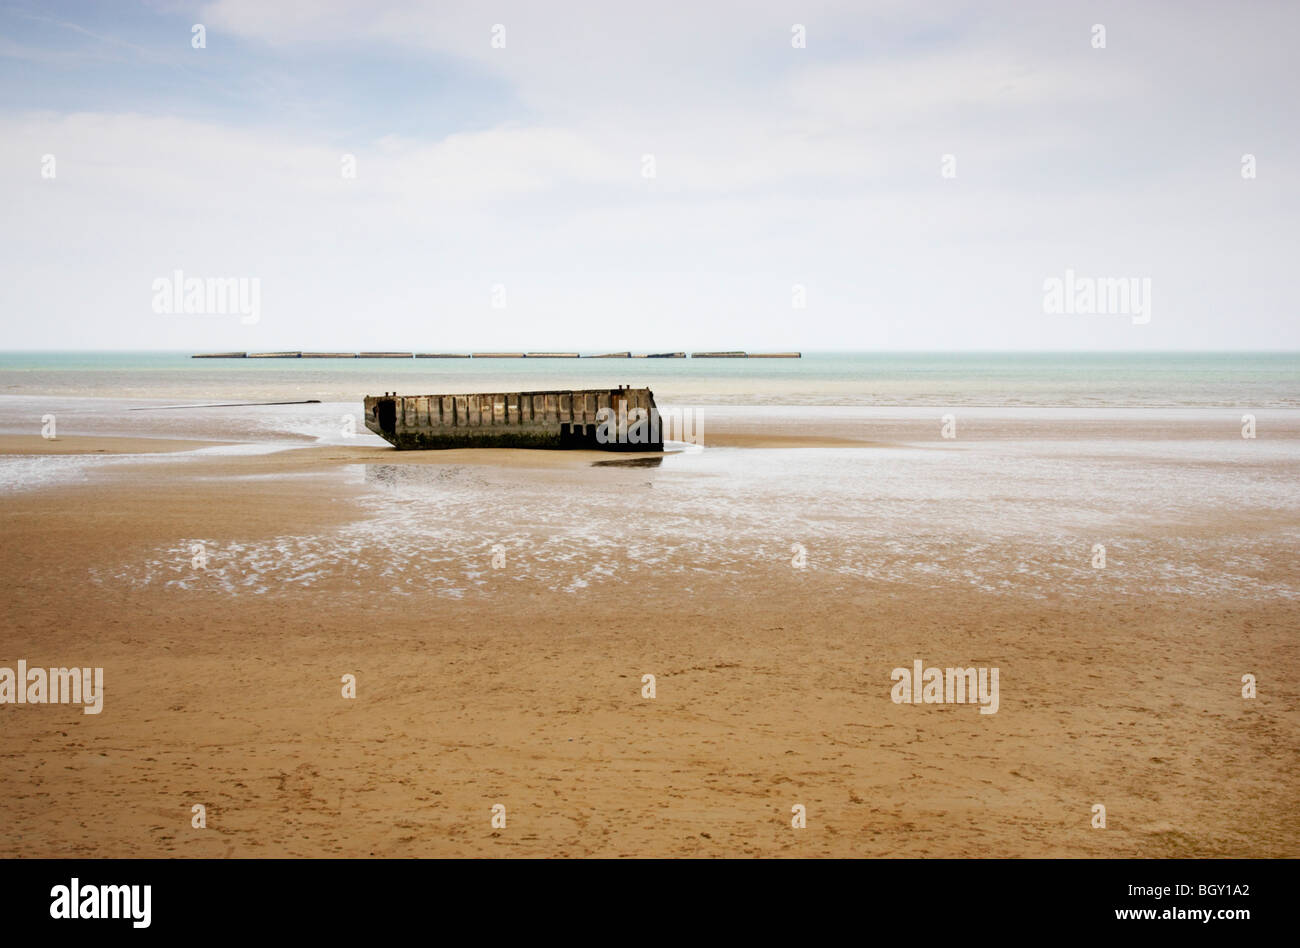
(310, 401)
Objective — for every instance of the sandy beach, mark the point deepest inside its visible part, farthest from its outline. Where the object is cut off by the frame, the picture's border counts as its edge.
(864, 436)
(522, 685)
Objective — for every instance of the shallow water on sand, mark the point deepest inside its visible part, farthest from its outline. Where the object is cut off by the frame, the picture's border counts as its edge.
(1194, 519)
(1053, 455)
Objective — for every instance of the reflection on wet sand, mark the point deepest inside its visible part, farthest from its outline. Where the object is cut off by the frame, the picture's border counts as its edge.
(413, 475)
(631, 462)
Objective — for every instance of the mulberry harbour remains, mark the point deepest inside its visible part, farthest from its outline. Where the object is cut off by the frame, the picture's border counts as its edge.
(621, 419)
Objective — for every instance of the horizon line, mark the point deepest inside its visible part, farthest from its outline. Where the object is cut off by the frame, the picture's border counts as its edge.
(970, 351)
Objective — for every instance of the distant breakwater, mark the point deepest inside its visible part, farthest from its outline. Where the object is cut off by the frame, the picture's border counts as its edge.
(495, 355)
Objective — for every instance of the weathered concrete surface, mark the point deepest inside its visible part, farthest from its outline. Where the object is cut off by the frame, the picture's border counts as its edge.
(560, 419)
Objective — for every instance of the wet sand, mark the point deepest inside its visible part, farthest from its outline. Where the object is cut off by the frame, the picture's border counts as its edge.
(32, 445)
(506, 686)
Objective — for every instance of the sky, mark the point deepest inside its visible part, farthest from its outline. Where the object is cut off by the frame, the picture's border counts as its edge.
(679, 175)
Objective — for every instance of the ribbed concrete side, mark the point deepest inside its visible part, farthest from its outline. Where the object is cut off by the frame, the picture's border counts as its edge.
(567, 419)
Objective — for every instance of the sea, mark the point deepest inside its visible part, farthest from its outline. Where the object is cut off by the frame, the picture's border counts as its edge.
(1081, 380)
(1051, 456)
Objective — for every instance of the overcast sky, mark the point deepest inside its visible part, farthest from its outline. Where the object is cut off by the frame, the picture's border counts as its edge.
(524, 167)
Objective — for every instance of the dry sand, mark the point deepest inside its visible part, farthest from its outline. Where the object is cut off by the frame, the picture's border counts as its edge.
(772, 690)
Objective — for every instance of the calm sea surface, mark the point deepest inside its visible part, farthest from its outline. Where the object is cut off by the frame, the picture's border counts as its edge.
(1204, 380)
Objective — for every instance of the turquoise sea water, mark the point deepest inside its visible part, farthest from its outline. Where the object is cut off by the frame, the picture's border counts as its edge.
(1164, 380)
